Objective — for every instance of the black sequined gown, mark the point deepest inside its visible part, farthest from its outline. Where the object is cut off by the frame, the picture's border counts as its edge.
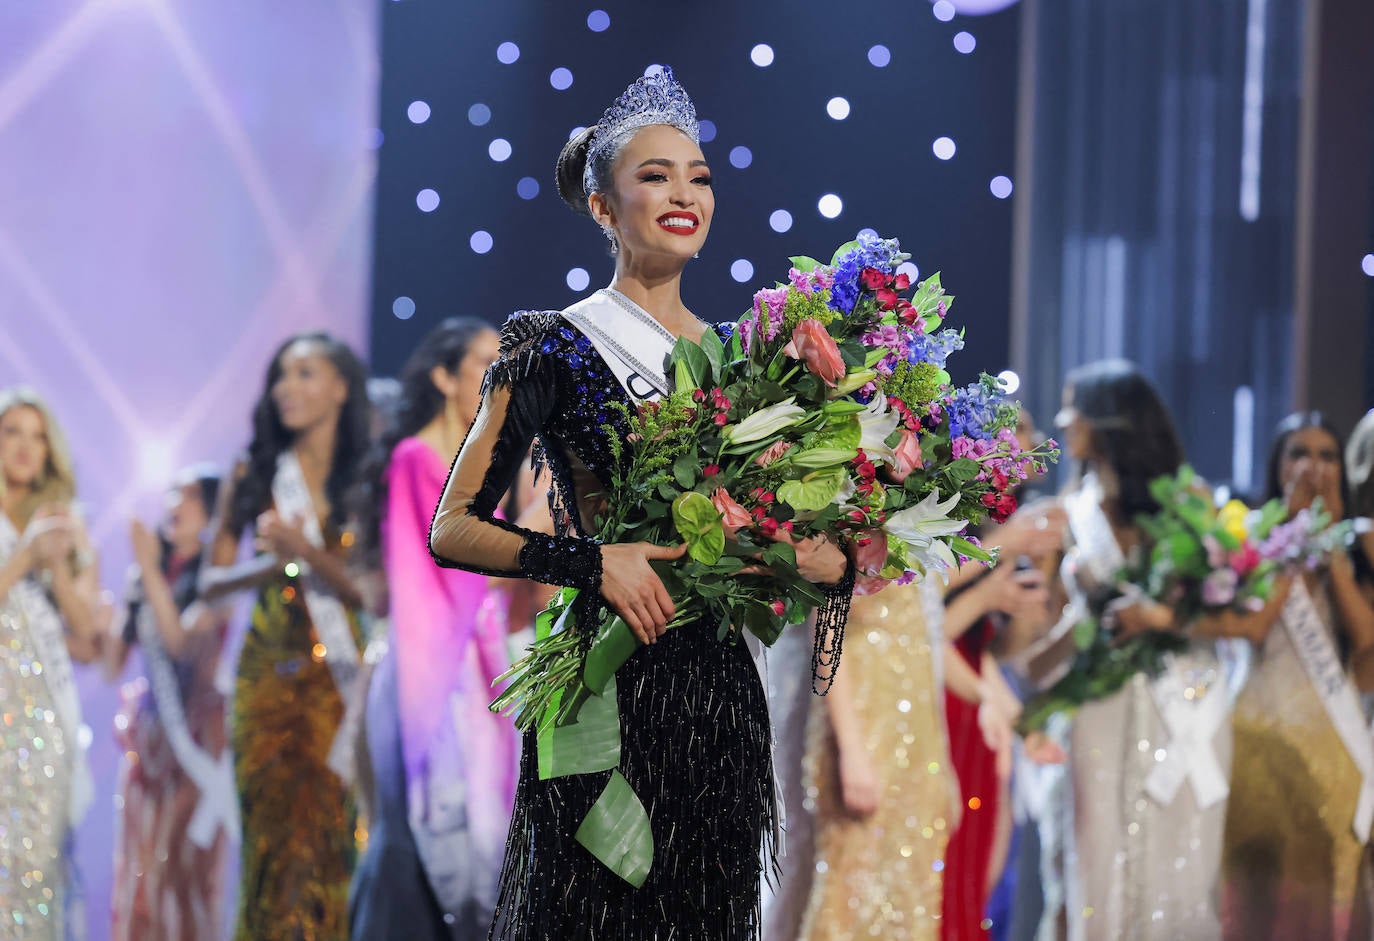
(694, 721)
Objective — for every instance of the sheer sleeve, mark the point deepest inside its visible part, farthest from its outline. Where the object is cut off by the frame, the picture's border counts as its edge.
(520, 394)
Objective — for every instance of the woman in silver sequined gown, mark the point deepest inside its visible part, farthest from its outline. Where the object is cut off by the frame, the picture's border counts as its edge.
(45, 560)
(1122, 860)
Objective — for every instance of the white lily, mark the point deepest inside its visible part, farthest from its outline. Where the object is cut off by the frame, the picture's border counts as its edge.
(765, 422)
(877, 422)
(920, 527)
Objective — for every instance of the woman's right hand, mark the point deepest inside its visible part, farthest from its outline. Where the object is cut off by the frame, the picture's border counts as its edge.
(631, 586)
(859, 783)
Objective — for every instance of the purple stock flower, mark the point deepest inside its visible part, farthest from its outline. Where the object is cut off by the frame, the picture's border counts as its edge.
(1219, 588)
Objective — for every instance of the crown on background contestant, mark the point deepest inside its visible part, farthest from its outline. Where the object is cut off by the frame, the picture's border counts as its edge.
(656, 98)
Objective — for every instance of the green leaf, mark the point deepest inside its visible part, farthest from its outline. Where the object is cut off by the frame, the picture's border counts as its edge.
(965, 548)
(698, 522)
(692, 365)
(613, 645)
(588, 744)
(804, 263)
(964, 469)
(616, 831)
(815, 491)
(843, 250)
(715, 354)
(780, 553)
(685, 469)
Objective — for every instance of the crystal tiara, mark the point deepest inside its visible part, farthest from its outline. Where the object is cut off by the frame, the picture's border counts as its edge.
(656, 98)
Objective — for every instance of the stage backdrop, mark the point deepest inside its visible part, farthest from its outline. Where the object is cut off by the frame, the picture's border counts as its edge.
(182, 185)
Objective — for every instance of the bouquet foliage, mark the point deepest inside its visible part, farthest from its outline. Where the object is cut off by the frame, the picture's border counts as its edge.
(1198, 558)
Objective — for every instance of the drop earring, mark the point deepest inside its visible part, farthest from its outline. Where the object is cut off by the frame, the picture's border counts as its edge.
(609, 232)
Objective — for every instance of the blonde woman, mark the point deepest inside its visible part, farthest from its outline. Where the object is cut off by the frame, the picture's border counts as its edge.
(49, 616)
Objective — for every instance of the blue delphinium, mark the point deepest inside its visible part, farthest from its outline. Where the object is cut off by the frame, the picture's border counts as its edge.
(871, 252)
(977, 410)
(935, 348)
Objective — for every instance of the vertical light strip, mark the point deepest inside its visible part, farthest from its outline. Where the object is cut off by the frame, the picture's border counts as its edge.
(1252, 117)
(1243, 440)
(1114, 297)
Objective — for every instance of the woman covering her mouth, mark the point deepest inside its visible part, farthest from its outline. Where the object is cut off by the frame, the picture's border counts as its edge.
(693, 718)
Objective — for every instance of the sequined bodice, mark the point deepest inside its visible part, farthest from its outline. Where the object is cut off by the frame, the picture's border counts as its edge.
(577, 432)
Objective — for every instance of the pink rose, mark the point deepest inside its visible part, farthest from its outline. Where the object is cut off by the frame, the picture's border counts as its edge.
(814, 345)
(732, 514)
(869, 551)
(907, 456)
(774, 451)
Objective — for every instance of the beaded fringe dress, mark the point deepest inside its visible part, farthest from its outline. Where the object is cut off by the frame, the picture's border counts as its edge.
(694, 719)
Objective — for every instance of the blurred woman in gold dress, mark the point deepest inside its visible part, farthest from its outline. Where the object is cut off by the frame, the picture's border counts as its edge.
(1298, 826)
(298, 668)
(877, 759)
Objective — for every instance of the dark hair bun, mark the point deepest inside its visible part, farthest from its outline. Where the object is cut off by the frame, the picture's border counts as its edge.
(572, 164)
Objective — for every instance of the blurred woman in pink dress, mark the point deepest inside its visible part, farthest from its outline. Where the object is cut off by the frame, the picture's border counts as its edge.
(443, 766)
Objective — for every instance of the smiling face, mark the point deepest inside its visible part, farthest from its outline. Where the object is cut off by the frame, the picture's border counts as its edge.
(309, 389)
(661, 201)
(23, 446)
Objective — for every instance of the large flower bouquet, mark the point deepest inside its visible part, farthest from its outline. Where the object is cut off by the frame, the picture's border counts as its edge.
(825, 412)
(1198, 558)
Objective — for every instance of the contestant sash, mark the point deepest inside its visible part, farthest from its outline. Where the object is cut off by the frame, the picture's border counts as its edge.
(1322, 663)
(1191, 724)
(293, 502)
(213, 777)
(44, 625)
(633, 344)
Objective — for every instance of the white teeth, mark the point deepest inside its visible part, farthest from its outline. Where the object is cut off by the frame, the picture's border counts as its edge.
(678, 223)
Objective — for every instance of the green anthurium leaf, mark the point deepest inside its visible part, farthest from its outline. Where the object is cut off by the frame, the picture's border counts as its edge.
(804, 264)
(814, 491)
(698, 522)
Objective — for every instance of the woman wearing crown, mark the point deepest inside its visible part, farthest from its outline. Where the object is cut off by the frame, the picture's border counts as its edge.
(693, 717)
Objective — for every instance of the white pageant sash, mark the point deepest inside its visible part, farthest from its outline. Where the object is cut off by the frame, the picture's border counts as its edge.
(1322, 664)
(294, 503)
(1191, 724)
(633, 344)
(44, 625)
(213, 777)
